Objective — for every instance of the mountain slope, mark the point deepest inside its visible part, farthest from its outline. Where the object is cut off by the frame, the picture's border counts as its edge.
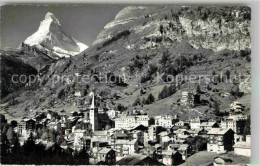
(145, 43)
(10, 66)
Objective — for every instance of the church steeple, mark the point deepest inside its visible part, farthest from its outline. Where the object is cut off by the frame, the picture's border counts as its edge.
(93, 114)
(92, 106)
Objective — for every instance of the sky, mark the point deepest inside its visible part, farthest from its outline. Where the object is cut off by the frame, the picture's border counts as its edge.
(82, 22)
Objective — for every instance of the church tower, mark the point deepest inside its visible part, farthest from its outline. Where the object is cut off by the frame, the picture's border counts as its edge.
(93, 114)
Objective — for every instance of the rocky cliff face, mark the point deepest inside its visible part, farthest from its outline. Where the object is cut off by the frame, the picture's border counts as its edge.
(209, 28)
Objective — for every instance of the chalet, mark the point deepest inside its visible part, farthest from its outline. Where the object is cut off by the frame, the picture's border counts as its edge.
(166, 138)
(142, 120)
(139, 136)
(26, 127)
(187, 99)
(175, 128)
(166, 121)
(140, 128)
(49, 114)
(220, 140)
(153, 132)
(234, 122)
(195, 123)
(126, 122)
(126, 147)
(171, 157)
(101, 134)
(104, 156)
(197, 132)
(158, 148)
(209, 125)
(185, 151)
(181, 123)
(112, 113)
(55, 125)
(78, 138)
(149, 151)
(181, 139)
(237, 107)
(99, 142)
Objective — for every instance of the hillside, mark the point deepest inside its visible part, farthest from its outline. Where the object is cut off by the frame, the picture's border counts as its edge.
(147, 43)
(10, 66)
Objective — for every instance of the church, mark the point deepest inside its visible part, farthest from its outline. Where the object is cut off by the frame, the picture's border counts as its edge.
(98, 120)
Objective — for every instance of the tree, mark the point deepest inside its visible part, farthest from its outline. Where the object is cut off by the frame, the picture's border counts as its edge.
(198, 91)
(17, 152)
(14, 123)
(161, 29)
(82, 157)
(4, 147)
(171, 70)
(213, 72)
(29, 145)
(138, 63)
(10, 134)
(163, 93)
(215, 107)
(5, 128)
(248, 58)
(137, 102)
(121, 107)
(228, 74)
(142, 92)
(165, 58)
(150, 99)
(171, 90)
(167, 91)
(151, 69)
(143, 101)
(208, 87)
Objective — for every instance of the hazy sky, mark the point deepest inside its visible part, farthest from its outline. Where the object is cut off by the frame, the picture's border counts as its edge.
(83, 22)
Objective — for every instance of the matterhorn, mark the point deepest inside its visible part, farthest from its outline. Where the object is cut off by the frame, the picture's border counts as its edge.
(51, 39)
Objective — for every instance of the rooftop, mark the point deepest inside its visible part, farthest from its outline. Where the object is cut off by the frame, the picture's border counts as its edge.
(126, 142)
(209, 124)
(218, 131)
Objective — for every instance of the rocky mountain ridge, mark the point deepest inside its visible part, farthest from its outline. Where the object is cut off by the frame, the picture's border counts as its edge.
(52, 39)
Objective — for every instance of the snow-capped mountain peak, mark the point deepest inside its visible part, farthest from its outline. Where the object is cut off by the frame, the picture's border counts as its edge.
(52, 39)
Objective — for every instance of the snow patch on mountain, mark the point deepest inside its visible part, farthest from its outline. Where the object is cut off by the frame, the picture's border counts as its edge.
(51, 38)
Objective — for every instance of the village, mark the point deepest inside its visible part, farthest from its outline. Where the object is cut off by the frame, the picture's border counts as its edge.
(132, 137)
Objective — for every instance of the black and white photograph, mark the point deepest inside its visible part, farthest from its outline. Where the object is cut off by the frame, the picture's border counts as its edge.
(119, 84)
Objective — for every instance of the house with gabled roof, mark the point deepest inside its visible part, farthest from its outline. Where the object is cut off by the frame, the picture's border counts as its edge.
(171, 157)
(220, 140)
